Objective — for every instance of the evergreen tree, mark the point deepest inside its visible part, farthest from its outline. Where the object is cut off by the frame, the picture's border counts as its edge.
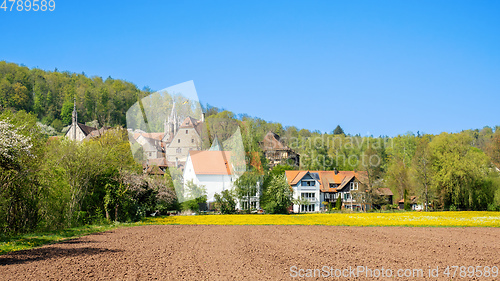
(338, 131)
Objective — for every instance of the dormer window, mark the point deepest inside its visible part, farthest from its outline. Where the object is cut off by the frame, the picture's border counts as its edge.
(354, 186)
(308, 183)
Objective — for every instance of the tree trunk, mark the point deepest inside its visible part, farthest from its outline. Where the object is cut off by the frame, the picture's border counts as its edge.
(116, 212)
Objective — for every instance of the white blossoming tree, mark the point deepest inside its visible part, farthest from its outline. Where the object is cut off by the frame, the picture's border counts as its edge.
(12, 145)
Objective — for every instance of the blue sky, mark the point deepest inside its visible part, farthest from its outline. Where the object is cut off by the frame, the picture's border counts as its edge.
(374, 67)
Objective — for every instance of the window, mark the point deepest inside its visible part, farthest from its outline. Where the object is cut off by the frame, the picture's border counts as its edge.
(192, 140)
(307, 208)
(308, 183)
(308, 195)
(354, 186)
(150, 154)
(178, 140)
(244, 205)
(186, 132)
(347, 196)
(179, 150)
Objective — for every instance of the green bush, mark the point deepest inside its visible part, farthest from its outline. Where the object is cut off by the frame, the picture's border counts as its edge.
(225, 202)
(493, 207)
(338, 204)
(274, 208)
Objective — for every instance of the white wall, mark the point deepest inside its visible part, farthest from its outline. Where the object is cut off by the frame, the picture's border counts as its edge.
(79, 133)
(212, 183)
(298, 189)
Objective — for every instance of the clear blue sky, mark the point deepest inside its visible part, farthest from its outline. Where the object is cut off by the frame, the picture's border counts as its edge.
(374, 67)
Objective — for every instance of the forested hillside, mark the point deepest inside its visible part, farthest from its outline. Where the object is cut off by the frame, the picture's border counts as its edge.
(50, 94)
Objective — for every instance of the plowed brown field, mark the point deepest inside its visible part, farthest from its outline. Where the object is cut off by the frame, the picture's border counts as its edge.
(184, 252)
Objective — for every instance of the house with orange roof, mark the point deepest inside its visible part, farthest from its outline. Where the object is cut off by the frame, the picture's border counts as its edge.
(316, 187)
(211, 170)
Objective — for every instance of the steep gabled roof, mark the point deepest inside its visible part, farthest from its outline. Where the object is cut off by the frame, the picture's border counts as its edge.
(384, 191)
(216, 146)
(290, 175)
(345, 181)
(211, 162)
(339, 179)
(272, 141)
(189, 122)
(97, 133)
(295, 176)
(86, 129)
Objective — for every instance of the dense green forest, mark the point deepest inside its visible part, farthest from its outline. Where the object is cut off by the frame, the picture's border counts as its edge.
(48, 183)
(50, 95)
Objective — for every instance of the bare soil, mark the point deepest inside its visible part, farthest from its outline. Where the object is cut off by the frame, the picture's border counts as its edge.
(184, 252)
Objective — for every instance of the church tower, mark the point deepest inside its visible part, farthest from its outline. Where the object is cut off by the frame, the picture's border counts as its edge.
(74, 119)
(172, 125)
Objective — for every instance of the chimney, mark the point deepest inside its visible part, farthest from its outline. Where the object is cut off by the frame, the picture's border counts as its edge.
(335, 170)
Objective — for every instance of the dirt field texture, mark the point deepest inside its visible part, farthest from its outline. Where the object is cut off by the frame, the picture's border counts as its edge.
(214, 252)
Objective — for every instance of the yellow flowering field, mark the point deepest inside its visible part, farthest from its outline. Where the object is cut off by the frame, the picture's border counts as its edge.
(416, 219)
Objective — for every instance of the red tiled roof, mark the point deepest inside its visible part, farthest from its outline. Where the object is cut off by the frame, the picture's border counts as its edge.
(211, 162)
(413, 200)
(155, 136)
(328, 177)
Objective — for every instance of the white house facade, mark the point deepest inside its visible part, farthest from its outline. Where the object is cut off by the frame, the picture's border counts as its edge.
(306, 187)
(316, 187)
(211, 170)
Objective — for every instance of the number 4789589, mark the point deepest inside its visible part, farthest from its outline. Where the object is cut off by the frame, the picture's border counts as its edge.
(28, 5)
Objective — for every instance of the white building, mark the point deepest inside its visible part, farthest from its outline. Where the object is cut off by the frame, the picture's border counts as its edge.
(211, 170)
(78, 131)
(316, 187)
(305, 185)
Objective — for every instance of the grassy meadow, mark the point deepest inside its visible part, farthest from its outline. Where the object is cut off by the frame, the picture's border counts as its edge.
(412, 219)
